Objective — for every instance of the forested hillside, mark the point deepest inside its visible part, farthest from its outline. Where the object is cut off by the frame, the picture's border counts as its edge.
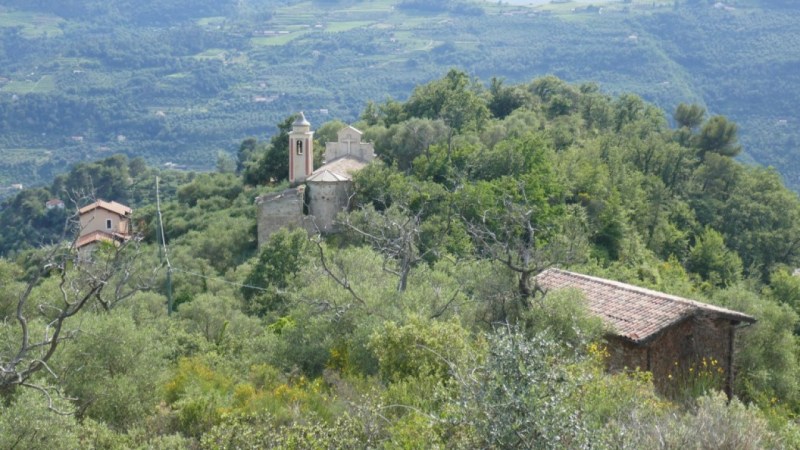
(182, 82)
(420, 324)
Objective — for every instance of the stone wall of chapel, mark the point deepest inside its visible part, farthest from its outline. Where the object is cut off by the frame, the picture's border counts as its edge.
(326, 200)
(281, 210)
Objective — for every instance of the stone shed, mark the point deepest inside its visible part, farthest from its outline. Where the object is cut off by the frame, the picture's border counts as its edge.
(661, 333)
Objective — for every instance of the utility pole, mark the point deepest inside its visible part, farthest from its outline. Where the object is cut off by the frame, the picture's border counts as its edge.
(163, 250)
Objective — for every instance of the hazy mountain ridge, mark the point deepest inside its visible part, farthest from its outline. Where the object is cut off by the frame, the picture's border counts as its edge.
(180, 81)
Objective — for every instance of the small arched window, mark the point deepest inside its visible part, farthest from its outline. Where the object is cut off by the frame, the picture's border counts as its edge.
(299, 147)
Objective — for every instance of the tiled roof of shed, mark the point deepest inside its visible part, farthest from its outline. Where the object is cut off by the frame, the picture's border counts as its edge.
(635, 313)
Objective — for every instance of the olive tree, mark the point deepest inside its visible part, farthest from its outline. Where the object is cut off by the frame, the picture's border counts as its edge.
(58, 286)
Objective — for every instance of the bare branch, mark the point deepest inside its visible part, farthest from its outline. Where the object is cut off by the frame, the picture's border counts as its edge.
(395, 234)
(46, 392)
(512, 235)
(340, 281)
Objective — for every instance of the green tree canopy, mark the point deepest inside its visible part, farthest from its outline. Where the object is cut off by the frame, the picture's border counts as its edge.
(689, 116)
(273, 164)
(719, 135)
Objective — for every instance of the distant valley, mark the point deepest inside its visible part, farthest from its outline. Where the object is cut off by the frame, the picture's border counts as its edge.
(183, 82)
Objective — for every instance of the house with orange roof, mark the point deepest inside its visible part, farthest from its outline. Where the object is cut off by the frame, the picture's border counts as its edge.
(54, 203)
(672, 337)
(103, 221)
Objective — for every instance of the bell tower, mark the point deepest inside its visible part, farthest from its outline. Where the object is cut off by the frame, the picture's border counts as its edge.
(301, 150)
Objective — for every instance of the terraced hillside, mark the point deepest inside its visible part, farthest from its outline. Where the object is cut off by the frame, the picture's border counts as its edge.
(181, 81)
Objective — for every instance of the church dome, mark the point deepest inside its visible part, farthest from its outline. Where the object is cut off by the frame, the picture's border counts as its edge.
(301, 121)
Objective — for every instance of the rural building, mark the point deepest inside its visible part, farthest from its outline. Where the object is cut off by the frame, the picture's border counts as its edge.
(54, 203)
(661, 333)
(103, 221)
(318, 195)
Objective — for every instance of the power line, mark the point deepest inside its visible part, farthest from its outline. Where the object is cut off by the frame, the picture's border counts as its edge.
(170, 269)
(222, 280)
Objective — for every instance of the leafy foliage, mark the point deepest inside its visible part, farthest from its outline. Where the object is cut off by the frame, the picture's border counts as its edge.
(421, 324)
(280, 259)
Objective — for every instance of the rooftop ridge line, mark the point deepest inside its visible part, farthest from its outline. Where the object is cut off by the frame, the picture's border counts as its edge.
(653, 293)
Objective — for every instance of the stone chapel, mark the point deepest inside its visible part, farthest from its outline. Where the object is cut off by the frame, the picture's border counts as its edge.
(316, 196)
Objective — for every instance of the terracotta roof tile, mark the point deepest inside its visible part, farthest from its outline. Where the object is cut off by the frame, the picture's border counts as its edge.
(633, 312)
(340, 169)
(97, 236)
(326, 176)
(92, 237)
(114, 207)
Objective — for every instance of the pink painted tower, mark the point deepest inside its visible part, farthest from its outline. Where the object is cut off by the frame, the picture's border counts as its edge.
(301, 150)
